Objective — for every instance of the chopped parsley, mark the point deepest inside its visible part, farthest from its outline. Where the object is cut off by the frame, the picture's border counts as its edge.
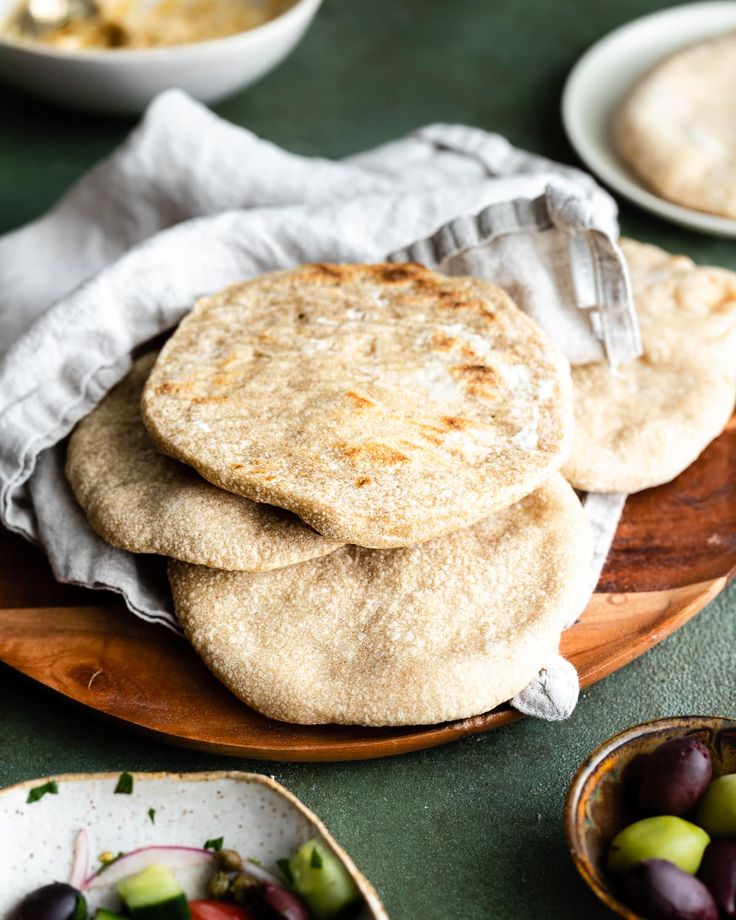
(125, 784)
(214, 844)
(285, 870)
(152, 815)
(38, 792)
(315, 860)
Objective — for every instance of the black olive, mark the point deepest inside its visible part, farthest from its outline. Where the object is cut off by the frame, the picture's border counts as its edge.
(52, 902)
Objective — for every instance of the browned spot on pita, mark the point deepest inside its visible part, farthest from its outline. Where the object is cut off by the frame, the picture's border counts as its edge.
(374, 452)
(411, 299)
(322, 273)
(726, 302)
(441, 341)
(474, 371)
(257, 469)
(396, 274)
(457, 299)
(482, 390)
(171, 386)
(430, 432)
(455, 423)
(399, 530)
(362, 481)
(479, 379)
(204, 400)
(426, 284)
(360, 402)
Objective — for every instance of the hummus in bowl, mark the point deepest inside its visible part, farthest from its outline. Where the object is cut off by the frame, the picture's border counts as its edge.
(129, 51)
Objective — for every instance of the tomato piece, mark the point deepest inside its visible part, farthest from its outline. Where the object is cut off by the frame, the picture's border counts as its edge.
(219, 910)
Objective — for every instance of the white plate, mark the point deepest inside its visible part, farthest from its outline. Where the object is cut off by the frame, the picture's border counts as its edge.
(607, 72)
(254, 814)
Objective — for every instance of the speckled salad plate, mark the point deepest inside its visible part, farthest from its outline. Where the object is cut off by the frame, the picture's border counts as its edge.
(604, 76)
(63, 823)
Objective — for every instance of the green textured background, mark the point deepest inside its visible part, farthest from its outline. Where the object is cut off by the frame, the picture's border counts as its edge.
(474, 829)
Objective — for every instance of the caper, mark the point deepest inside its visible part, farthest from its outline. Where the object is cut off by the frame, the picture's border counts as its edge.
(218, 886)
(229, 860)
(241, 884)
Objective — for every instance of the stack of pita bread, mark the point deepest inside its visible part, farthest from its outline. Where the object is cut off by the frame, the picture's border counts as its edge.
(355, 472)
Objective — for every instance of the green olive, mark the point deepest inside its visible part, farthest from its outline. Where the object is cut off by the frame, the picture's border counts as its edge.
(717, 809)
(663, 837)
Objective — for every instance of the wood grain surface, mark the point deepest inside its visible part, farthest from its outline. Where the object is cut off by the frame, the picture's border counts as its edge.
(674, 551)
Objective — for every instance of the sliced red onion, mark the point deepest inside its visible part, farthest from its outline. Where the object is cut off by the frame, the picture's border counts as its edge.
(80, 861)
(284, 902)
(259, 873)
(136, 860)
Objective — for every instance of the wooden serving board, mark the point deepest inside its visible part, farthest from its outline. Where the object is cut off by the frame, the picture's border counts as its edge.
(675, 549)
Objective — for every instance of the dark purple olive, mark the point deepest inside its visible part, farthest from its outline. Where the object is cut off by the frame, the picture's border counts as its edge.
(659, 890)
(675, 776)
(718, 874)
(271, 901)
(52, 902)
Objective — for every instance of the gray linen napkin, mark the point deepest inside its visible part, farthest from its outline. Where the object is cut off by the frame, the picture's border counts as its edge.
(190, 203)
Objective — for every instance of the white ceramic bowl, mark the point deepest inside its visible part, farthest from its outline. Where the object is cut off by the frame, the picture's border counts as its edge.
(254, 814)
(606, 73)
(127, 80)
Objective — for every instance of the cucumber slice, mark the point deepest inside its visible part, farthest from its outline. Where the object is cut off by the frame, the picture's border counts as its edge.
(103, 914)
(322, 882)
(154, 894)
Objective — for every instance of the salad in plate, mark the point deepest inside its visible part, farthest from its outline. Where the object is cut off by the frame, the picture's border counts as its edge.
(222, 845)
(314, 886)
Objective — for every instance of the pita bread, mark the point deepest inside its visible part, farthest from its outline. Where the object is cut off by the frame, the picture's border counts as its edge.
(383, 404)
(139, 500)
(444, 630)
(643, 423)
(677, 130)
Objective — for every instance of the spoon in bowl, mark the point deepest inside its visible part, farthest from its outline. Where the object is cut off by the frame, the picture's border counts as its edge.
(41, 15)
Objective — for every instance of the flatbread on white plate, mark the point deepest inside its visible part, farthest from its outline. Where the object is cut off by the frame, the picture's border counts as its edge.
(443, 630)
(383, 404)
(677, 129)
(142, 501)
(643, 423)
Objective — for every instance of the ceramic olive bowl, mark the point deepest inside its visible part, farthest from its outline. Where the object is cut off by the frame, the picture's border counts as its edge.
(253, 813)
(601, 802)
